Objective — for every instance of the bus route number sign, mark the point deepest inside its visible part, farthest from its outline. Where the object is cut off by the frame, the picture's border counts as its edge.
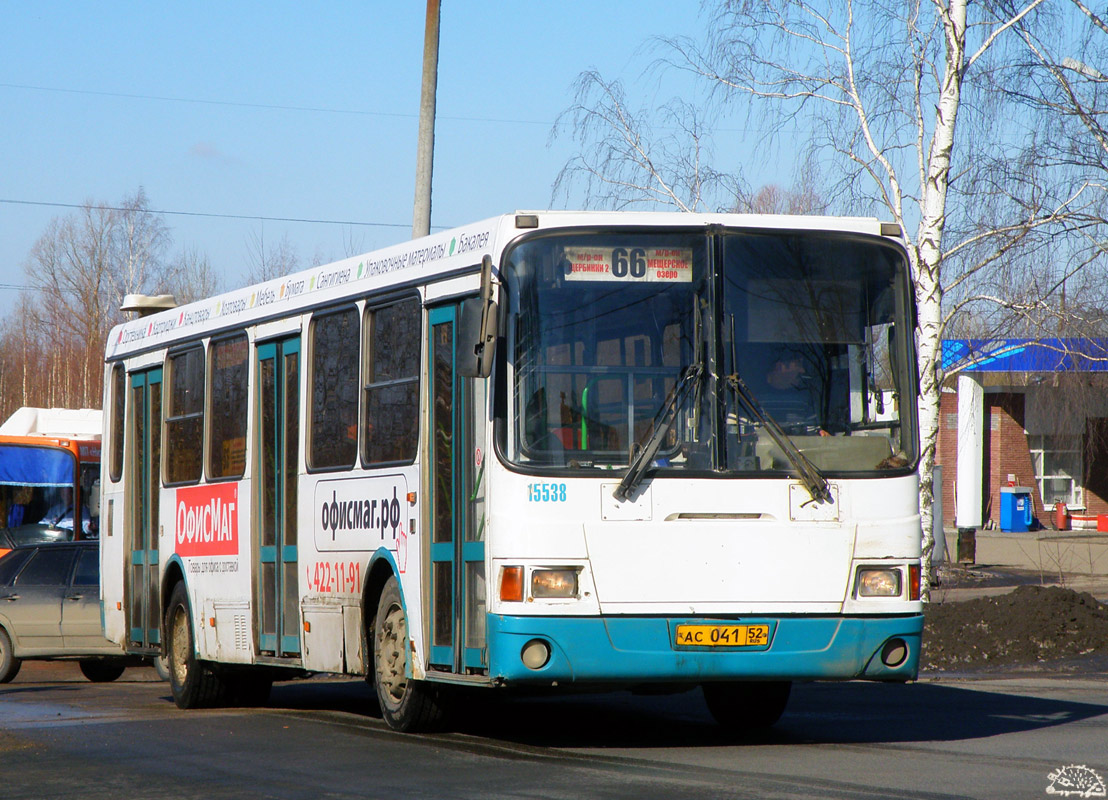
(722, 636)
(629, 264)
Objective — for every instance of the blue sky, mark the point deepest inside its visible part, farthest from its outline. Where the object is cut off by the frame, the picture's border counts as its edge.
(298, 110)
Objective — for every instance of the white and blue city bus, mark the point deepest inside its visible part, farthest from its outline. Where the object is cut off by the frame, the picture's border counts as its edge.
(552, 449)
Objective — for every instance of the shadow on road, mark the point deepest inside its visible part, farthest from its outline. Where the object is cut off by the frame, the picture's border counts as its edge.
(353, 695)
(834, 713)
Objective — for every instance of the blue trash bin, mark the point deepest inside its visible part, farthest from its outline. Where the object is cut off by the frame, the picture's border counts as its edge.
(1016, 511)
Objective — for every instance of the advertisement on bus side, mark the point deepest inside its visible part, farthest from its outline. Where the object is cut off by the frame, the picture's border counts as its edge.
(363, 514)
(207, 520)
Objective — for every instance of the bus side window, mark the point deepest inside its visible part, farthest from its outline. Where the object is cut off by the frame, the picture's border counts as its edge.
(119, 397)
(391, 390)
(334, 389)
(227, 429)
(184, 424)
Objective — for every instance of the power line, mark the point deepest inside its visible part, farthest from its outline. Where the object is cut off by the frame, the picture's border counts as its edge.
(213, 214)
(263, 106)
(318, 109)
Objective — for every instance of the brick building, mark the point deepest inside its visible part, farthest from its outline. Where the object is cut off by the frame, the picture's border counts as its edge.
(1029, 413)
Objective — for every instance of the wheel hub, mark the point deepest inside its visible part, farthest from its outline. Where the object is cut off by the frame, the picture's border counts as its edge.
(391, 662)
(179, 648)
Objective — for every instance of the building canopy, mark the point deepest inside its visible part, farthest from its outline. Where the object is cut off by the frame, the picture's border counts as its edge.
(1025, 355)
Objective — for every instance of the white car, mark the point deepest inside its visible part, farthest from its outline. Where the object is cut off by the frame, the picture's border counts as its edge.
(50, 609)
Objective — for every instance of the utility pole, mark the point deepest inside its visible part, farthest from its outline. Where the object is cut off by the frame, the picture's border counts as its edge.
(425, 146)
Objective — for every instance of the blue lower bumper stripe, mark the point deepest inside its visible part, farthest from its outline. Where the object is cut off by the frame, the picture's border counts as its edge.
(642, 649)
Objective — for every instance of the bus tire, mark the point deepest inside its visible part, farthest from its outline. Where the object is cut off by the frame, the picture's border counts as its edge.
(368, 660)
(407, 705)
(747, 707)
(101, 670)
(9, 664)
(194, 684)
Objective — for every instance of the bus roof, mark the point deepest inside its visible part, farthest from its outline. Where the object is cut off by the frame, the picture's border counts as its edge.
(440, 255)
(58, 423)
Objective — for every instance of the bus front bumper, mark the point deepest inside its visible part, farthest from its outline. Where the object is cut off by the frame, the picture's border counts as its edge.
(630, 650)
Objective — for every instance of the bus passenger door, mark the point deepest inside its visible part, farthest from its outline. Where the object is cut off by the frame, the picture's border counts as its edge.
(457, 506)
(277, 613)
(145, 443)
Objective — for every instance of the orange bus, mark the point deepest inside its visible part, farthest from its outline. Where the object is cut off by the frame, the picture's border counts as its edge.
(49, 478)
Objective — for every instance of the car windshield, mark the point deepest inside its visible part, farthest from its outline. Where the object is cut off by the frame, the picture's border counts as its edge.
(626, 342)
(37, 494)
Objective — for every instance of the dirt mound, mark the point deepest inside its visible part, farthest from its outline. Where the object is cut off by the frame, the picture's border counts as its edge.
(1028, 626)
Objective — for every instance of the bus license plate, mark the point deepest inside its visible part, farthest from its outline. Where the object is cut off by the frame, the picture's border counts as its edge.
(722, 635)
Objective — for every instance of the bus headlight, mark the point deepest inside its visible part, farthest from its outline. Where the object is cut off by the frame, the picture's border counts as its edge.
(878, 582)
(554, 583)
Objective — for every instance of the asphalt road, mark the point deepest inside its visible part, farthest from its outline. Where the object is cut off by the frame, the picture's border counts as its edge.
(995, 737)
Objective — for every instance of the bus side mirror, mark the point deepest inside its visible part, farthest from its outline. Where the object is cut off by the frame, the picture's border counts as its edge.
(477, 329)
(476, 337)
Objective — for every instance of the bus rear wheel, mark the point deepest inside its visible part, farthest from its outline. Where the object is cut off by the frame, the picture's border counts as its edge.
(194, 684)
(406, 704)
(747, 707)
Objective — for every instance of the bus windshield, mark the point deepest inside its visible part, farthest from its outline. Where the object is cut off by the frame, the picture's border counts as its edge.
(37, 496)
(702, 349)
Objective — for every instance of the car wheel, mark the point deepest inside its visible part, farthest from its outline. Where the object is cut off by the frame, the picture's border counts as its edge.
(9, 664)
(406, 704)
(161, 668)
(193, 682)
(747, 707)
(101, 670)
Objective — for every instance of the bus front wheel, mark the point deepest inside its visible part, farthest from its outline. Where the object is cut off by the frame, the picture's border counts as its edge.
(747, 707)
(406, 704)
(194, 684)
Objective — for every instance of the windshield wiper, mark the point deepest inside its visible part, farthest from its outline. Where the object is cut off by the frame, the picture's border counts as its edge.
(690, 379)
(806, 471)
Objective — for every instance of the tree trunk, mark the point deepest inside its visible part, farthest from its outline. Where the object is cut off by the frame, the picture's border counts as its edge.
(928, 269)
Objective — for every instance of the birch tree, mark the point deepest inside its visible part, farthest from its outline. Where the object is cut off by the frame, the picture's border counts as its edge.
(139, 239)
(267, 261)
(190, 277)
(78, 272)
(910, 108)
(636, 157)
